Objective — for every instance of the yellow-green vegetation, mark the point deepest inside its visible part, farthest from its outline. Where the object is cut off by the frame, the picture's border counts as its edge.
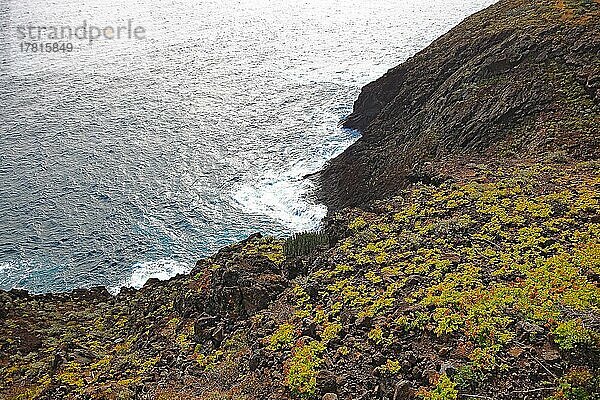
(474, 260)
(301, 369)
(225, 357)
(461, 271)
(573, 332)
(283, 337)
(577, 384)
(391, 366)
(266, 247)
(210, 361)
(70, 375)
(376, 335)
(444, 389)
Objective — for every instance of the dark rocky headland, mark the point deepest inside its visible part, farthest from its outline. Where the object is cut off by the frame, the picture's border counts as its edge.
(460, 259)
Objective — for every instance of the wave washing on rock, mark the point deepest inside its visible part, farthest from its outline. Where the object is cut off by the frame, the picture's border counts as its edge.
(282, 196)
(287, 195)
(143, 271)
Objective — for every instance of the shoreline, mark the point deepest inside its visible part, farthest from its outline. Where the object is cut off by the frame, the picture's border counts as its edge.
(459, 258)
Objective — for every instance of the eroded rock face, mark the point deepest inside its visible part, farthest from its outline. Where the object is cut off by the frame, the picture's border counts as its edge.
(516, 80)
(241, 285)
(246, 295)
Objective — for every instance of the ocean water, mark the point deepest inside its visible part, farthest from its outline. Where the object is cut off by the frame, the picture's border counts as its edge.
(129, 158)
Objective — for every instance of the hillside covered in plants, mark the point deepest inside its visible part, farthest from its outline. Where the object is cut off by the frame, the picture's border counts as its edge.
(479, 279)
(486, 287)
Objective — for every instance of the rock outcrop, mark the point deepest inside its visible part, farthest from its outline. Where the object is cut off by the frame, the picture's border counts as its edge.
(517, 80)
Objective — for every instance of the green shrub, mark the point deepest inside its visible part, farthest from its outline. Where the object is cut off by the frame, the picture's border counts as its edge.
(304, 243)
(571, 333)
(301, 374)
(282, 338)
(445, 389)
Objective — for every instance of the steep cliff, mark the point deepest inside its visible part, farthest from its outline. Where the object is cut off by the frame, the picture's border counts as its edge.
(517, 80)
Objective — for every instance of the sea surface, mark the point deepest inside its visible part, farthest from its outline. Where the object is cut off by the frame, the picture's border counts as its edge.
(129, 158)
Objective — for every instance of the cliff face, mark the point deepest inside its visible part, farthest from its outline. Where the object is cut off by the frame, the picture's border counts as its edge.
(517, 80)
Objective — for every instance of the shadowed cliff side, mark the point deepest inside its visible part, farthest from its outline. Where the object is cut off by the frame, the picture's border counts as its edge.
(514, 81)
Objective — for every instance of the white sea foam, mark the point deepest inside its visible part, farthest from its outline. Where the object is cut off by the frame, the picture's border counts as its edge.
(161, 269)
(282, 196)
(6, 266)
(285, 195)
(14, 274)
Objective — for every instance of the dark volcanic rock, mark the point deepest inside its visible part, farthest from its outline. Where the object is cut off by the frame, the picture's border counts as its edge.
(494, 85)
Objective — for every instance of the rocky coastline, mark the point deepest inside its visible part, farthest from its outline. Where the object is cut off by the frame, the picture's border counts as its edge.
(460, 258)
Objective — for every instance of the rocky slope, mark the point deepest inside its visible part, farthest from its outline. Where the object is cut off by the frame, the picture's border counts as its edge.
(487, 288)
(480, 280)
(517, 80)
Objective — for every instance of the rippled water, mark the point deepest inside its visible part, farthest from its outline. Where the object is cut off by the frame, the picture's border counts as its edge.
(133, 158)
